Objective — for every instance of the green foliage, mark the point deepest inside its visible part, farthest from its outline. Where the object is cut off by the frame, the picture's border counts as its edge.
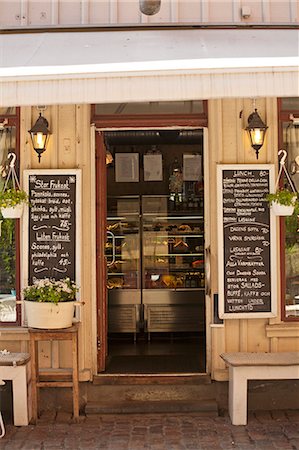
(7, 252)
(51, 291)
(12, 197)
(284, 197)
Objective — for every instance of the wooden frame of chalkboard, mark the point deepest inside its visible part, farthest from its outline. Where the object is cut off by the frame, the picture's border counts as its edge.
(52, 225)
(247, 271)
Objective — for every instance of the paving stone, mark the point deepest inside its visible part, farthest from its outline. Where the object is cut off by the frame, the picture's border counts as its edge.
(265, 431)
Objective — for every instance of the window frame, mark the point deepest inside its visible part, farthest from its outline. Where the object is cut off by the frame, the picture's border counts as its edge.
(283, 116)
(13, 120)
(150, 120)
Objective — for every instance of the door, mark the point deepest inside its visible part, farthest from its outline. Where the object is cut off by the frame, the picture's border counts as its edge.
(101, 221)
(151, 283)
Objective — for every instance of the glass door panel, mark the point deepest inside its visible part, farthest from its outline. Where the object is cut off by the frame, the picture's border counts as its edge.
(123, 264)
(173, 266)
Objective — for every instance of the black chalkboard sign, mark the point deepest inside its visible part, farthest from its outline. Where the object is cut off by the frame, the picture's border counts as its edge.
(246, 239)
(53, 224)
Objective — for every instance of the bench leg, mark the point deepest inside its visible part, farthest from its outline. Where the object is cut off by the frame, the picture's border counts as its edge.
(19, 392)
(238, 395)
(2, 427)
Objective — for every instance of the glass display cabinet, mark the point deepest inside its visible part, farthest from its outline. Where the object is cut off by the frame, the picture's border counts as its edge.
(156, 267)
(123, 264)
(173, 266)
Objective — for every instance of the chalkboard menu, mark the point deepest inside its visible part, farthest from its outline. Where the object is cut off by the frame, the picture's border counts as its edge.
(53, 224)
(246, 237)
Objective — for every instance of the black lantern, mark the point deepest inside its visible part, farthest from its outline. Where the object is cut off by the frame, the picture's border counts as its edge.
(257, 130)
(40, 134)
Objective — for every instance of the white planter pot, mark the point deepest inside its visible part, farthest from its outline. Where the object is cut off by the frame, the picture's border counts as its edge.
(48, 315)
(14, 212)
(282, 210)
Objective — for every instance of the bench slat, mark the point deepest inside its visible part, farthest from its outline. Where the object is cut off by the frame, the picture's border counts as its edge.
(14, 359)
(261, 359)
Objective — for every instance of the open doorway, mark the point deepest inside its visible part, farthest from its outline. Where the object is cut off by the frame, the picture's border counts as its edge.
(155, 251)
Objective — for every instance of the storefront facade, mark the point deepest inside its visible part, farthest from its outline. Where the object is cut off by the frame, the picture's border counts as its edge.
(164, 108)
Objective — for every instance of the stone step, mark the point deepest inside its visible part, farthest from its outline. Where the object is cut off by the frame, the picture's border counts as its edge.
(137, 379)
(152, 392)
(205, 407)
(135, 398)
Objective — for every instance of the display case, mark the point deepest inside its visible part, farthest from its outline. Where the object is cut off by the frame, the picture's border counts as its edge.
(155, 265)
(173, 265)
(123, 264)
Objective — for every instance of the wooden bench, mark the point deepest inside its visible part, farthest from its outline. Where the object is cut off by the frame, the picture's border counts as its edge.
(255, 366)
(16, 367)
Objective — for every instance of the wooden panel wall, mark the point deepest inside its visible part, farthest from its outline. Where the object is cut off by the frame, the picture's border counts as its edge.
(71, 147)
(44, 13)
(228, 143)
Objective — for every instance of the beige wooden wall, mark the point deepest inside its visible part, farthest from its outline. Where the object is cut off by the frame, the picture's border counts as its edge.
(26, 13)
(228, 143)
(71, 146)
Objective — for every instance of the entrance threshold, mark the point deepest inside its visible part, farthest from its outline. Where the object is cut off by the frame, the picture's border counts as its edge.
(159, 378)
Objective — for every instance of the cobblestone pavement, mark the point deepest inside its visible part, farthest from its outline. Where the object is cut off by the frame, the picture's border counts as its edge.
(265, 430)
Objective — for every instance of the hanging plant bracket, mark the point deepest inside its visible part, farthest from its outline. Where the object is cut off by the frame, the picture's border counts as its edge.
(283, 169)
(12, 198)
(283, 201)
(12, 173)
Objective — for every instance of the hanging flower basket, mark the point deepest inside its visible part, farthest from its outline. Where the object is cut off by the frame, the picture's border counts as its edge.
(13, 212)
(283, 202)
(12, 197)
(283, 210)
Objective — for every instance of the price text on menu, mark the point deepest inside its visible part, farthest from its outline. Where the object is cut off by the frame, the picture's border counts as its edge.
(52, 226)
(246, 237)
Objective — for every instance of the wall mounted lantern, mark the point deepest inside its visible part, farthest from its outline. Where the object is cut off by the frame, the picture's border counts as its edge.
(256, 129)
(149, 7)
(40, 134)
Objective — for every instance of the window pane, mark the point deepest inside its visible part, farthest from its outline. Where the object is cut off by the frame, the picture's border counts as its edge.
(290, 103)
(8, 271)
(188, 107)
(8, 111)
(7, 239)
(291, 144)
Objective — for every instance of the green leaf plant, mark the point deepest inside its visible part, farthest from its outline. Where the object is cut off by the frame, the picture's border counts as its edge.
(12, 197)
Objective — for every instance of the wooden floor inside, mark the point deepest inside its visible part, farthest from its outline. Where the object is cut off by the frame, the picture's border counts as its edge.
(164, 353)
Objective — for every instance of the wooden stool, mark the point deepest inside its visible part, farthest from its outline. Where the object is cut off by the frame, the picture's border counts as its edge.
(64, 334)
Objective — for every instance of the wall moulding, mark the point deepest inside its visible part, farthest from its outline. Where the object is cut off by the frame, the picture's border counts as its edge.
(282, 331)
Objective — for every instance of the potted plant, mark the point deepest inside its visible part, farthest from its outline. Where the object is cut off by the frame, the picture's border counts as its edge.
(283, 202)
(49, 304)
(12, 203)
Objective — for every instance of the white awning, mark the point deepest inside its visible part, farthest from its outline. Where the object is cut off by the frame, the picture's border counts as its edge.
(147, 65)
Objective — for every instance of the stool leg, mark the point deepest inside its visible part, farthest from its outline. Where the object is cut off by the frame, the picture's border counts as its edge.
(75, 377)
(34, 368)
